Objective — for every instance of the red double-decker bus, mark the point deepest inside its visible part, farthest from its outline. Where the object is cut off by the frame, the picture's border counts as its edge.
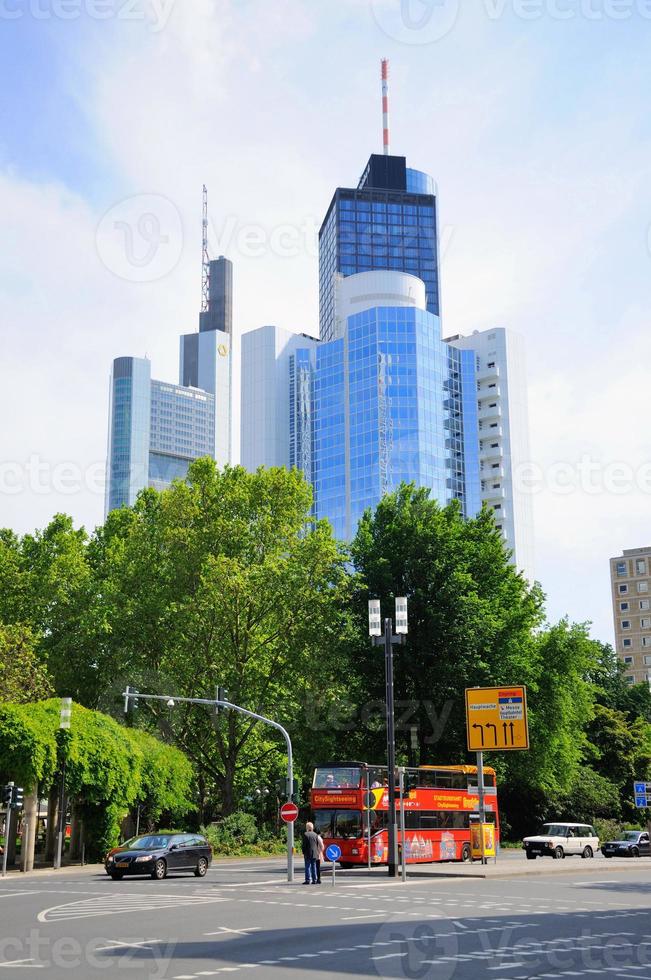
(350, 802)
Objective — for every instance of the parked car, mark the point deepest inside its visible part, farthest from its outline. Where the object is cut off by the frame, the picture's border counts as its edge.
(156, 854)
(559, 839)
(632, 843)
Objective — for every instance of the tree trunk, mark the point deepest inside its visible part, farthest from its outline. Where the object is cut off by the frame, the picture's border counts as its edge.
(10, 836)
(52, 812)
(75, 833)
(30, 824)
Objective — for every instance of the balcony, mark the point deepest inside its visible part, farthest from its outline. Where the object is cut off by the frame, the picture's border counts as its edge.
(489, 412)
(490, 430)
(488, 374)
(489, 471)
(488, 452)
(492, 496)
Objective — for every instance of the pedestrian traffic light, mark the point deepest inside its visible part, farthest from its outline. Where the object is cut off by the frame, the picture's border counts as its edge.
(17, 796)
(285, 788)
(7, 796)
(221, 694)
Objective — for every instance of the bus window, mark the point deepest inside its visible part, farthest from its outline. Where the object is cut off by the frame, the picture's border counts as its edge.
(348, 823)
(337, 777)
(323, 822)
(489, 779)
(376, 777)
(451, 780)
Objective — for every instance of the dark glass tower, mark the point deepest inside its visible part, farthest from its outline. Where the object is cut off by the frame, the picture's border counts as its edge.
(388, 222)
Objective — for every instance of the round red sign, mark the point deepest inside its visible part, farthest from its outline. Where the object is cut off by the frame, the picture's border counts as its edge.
(289, 812)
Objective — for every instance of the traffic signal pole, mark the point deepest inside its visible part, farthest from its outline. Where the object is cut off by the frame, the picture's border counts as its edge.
(171, 700)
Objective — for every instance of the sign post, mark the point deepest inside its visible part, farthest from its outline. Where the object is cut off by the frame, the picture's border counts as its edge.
(369, 803)
(496, 721)
(8, 795)
(333, 853)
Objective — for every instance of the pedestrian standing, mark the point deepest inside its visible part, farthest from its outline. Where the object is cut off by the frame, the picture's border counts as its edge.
(310, 848)
(320, 858)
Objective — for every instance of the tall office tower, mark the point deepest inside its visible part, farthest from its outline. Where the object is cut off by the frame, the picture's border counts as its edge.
(630, 575)
(391, 403)
(156, 429)
(504, 449)
(388, 222)
(276, 399)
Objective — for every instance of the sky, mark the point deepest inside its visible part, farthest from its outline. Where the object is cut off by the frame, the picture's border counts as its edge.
(532, 116)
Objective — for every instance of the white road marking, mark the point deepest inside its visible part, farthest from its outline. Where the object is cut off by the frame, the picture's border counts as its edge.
(122, 902)
(368, 915)
(241, 932)
(30, 964)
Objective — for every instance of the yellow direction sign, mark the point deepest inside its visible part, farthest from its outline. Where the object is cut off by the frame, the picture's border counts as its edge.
(496, 719)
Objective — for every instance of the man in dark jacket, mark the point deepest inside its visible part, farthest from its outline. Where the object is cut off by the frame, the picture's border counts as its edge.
(310, 850)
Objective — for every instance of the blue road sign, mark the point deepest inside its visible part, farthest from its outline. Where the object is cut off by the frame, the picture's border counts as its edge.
(333, 852)
(642, 802)
(640, 789)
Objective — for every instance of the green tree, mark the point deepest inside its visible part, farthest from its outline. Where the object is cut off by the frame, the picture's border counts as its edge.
(22, 675)
(470, 615)
(224, 579)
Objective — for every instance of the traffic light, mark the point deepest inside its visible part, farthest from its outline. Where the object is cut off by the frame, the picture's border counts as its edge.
(17, 797)
(130, 702)
(284, 788)
(7, 795)
(221, 694)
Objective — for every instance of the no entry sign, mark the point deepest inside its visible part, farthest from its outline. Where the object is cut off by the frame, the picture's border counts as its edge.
(288, 812)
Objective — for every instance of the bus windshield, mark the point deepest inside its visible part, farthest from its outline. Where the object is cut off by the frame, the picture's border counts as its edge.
(337, 777)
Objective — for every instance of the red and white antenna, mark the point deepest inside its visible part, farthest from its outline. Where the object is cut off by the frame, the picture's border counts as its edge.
(205, 258)
(385, 104)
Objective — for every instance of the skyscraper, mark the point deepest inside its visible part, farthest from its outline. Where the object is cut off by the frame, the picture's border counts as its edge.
(389, 221)
(381, 398)
(630, 575)
(156, 428)
(504, 449)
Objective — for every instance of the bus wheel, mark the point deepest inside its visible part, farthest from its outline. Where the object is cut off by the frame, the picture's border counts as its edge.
(466, 853)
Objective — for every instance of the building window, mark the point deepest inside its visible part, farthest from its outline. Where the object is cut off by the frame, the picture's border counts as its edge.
(640, 566)
(646, 641)
(630, 679)
(629, 660)
(647, 661)
(645, 623)
(622, 568)
(623, 606)
(627, 642)
(643, 586)
(626, 624)
(623, 590)
(645, 604)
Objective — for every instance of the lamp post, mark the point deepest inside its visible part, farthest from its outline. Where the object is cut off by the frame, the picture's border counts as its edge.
(387, 638)
(217, 704)
(64, 725)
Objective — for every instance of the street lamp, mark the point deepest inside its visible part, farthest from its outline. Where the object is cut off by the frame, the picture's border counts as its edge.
(65, 714)
(389, 639)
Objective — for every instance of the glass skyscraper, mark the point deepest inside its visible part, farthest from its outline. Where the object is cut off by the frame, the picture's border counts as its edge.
(388, 222)
(157, 428)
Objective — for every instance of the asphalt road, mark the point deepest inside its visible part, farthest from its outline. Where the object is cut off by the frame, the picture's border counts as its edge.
(245, 918)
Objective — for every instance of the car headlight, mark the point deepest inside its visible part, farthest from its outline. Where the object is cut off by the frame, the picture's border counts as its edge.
(109, 858)
(145, 857)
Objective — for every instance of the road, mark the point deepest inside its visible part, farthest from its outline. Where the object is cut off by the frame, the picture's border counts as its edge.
(245, 918)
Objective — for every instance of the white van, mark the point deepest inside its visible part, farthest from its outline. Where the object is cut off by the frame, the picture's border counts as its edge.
(558, 839)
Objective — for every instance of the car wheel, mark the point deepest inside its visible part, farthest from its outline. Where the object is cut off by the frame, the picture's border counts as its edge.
(558, 853)
(530, 856)
(466, 853)
(587, 852)
(635, 852)
(201, 868)
(160, 870)
(115, 875)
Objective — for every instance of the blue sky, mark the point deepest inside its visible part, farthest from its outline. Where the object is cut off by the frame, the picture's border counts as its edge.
(532, 115)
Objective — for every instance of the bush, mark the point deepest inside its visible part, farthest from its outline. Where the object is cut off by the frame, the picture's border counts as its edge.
(237, 835)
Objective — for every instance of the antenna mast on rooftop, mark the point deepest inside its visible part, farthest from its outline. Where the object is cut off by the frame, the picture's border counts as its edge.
(205, 259)
(385, 105)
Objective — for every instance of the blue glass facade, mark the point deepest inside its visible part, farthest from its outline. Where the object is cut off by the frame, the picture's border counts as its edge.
(388, 222)
(300, 412)
(128, 450)
(391, 403)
